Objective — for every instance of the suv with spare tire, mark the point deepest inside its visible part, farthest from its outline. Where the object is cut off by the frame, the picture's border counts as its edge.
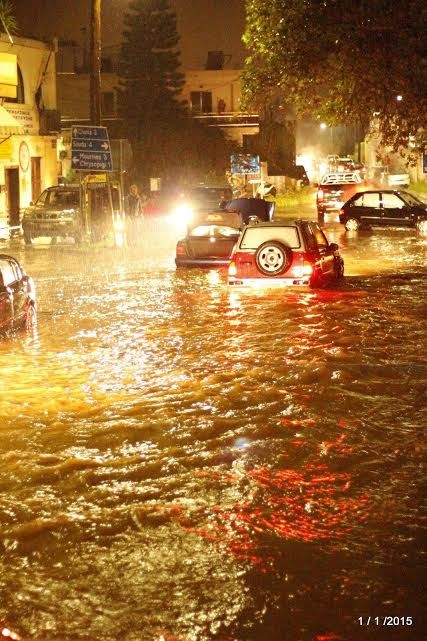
(284, 253)
(56, 213)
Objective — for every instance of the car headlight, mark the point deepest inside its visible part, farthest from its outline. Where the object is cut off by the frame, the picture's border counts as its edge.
(182, 213)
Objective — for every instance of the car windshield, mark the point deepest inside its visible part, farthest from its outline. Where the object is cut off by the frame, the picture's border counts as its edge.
(217, 231)
(253, 237)
(62, 198)
(410, 199)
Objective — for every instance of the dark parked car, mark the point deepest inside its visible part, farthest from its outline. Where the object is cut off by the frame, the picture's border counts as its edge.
(284, 253)
(17, 295)
(56, 213)
(209, 240)
(384, 208)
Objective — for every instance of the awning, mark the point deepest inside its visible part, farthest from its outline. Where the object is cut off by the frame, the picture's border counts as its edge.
(8, 124)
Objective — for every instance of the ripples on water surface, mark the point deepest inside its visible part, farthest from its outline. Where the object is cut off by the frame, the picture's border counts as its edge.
(181, 462)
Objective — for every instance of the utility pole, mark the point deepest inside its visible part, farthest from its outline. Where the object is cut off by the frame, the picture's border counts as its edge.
(95, 63)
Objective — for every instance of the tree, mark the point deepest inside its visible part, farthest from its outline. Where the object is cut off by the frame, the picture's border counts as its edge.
(342, 61)
(8, 22)
(166, 141)
(150, 79)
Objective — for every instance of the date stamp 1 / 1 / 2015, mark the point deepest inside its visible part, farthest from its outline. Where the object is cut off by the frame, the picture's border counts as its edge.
(394, 621)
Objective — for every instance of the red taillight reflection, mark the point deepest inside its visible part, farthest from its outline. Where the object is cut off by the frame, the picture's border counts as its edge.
(180, 250)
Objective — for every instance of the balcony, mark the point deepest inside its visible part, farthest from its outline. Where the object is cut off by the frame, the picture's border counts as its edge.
(228, 119)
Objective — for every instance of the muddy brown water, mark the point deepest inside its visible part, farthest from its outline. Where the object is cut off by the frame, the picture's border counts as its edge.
(182, 462)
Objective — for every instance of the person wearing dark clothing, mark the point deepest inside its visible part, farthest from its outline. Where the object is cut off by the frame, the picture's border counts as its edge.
(134, 215)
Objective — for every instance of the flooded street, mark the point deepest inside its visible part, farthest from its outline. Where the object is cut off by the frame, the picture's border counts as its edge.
(182, 462)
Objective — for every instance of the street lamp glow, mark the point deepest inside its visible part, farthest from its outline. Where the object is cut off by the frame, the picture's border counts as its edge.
(399, 98)
(323, 125)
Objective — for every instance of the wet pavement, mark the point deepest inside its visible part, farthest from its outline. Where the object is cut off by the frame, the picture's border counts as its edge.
(181, 462)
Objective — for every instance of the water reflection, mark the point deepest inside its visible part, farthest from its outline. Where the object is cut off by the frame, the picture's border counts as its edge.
(181, 461)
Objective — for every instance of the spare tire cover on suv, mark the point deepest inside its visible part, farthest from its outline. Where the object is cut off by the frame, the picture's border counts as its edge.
(273, 258)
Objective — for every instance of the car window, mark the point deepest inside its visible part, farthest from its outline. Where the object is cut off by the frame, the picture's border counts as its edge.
(218, 231)
(411, 199)
(310, 237)
(64, 198)
(41, 200)
(253, 237)
(370, 200)
(8, 273)
(392, 201)
(321, 239)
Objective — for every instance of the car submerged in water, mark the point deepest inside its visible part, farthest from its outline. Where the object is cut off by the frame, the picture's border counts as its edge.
(384, 208)
(284, 253)
(209, 240)
(17, 295)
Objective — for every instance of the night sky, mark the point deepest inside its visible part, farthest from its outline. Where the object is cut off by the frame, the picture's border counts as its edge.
(204, 25)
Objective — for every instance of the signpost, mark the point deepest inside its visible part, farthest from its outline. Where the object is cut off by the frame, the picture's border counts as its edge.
(245, 164)
(90, 149)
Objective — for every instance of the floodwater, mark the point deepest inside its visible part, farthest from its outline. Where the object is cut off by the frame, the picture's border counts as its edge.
(182, 462)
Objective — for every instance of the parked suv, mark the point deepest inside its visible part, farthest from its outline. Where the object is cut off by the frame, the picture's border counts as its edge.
(333, 191)
(55, 213)
(284, 253)
(384, 208)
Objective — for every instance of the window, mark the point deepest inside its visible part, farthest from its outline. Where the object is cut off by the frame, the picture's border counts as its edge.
(201, 102)
(64, 198)
(320, 239)
(255, 236)
(8, 273)
(20, 94)
(371, 200)
(391, 201)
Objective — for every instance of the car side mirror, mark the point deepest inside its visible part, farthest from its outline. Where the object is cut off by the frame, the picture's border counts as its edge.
(333, 247)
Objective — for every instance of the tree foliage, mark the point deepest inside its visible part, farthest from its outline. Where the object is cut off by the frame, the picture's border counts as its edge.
(341, 61)
(149, 72)
(166, 141)
(8, 22)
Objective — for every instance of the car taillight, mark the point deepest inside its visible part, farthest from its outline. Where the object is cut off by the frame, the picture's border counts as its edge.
(320, 194)
(232, 269)
(307, 268)
(180, 250)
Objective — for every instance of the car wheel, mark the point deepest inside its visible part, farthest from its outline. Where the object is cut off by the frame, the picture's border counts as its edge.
(31, 316)
(352, 224)
(273, 258)
(27, 238)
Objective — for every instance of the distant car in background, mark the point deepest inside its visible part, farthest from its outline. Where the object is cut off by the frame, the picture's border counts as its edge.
(284, 254)
(183, 206)
(209, 240)
(252, 208)
(385, 177)
(17, 295)
(384, 208)
(334, 190)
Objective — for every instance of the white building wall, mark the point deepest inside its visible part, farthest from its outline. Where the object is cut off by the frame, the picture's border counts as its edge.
(36, 61)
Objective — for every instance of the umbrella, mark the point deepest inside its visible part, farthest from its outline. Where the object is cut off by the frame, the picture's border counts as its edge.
(251, 207)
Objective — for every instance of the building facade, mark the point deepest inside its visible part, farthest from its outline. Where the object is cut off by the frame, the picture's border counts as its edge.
(29, 127)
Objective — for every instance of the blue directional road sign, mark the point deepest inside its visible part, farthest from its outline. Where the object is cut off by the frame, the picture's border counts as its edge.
(90, 149)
